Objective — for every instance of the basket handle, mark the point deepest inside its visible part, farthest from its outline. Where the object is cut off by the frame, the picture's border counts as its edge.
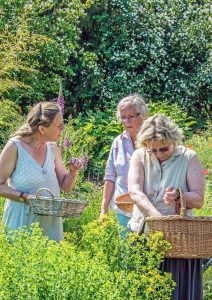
(46, 190)
(182, 203)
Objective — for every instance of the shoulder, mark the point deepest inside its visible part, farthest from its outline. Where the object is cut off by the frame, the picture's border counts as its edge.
(54, 148)
(184, 151)
(9, 152)
(138, 154)
(121, 139)
(10, 146)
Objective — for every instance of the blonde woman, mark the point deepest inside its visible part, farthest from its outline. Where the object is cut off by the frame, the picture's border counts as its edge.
(31, 160)
(158, 168)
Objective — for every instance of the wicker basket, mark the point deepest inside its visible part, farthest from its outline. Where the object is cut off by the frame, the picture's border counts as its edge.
(191, 237)
(124, 203)
(59, 207)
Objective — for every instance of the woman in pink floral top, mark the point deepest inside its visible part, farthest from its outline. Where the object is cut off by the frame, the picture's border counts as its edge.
(131, 111)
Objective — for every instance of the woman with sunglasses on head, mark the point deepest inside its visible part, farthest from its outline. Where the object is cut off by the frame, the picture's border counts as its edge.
(158, 168)
(32, 160)
(131, 112)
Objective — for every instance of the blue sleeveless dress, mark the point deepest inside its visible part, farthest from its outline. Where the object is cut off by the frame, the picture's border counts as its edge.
(28, 177)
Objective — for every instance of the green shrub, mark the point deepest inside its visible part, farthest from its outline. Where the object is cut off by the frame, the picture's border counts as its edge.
(157, 48)
(202, 143)
(10, 120)
(32, 267)
(38, 41)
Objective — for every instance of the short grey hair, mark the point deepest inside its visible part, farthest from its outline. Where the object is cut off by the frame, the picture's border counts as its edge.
(159, 128)
(135, 100)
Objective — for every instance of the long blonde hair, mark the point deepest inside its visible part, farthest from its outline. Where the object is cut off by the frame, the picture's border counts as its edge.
(41, 114)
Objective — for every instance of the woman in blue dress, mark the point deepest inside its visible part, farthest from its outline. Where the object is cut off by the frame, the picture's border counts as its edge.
(32, 160)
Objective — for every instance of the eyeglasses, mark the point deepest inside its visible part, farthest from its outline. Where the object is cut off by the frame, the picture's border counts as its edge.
(163, 149)
(130, 118)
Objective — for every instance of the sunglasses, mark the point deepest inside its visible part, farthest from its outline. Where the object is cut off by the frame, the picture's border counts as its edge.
(163, 149)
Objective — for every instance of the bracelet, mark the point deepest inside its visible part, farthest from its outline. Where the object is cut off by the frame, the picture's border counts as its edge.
(21, 197)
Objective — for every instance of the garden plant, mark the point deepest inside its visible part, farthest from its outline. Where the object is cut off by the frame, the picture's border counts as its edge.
(87, 55)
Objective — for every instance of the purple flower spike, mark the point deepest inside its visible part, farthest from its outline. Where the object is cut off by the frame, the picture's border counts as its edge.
(61, 103)
(67, 142)
(60, 99)
(84, 161)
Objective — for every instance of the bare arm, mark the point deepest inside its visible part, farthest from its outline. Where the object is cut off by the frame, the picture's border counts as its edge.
(66, 178)
(136, 186)
(8, 160)
(196, 184)
(108, 191)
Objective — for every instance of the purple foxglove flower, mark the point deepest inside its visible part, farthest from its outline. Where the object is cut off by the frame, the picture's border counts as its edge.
(60, 99)
(61, 103)
(67, 142)
(84, 161)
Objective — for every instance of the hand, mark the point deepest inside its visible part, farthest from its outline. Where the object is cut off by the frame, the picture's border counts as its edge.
(170, 195)
(26, 197)
(103, 217)
(74, 165)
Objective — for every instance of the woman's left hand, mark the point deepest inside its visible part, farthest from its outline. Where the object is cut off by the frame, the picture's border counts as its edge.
(171, 194)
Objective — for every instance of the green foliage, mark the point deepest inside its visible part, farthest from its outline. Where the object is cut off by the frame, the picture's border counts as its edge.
(37, 40)
(156, 48)
(175, 112)
(207, 284)
(104, 50)
(92, 193)
(10, 120)
(202, 143)
(32, 267)
(103, 128)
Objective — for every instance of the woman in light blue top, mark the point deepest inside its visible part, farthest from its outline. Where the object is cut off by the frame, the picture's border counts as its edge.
(31, 160)
(131, 112)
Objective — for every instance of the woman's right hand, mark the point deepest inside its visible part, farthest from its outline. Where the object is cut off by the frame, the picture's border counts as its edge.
(170, 195)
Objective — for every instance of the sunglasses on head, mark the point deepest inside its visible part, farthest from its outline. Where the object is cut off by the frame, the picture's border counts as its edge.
(163, 149)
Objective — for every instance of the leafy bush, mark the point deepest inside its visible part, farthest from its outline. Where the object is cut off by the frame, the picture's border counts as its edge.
(38, 41)
(10, 120)
(202, 143)
(32, 267)
(104, 50)
(157, 48)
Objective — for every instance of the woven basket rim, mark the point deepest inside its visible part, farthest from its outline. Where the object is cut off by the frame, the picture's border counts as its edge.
(121, 198)
(178, 217)
(119, 201)
(57, 199)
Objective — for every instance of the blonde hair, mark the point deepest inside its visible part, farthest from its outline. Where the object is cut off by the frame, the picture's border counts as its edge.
(41, 114)
(135, 100)
(159, 128)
